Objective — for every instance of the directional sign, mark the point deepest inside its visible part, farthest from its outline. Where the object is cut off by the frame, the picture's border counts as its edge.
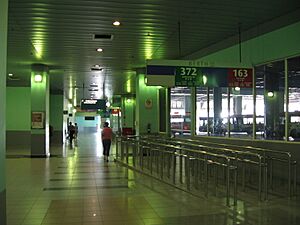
(189, 76)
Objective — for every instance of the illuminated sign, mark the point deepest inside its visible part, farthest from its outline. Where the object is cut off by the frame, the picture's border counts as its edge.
(93, 104)
(190, 76)
(90, 101)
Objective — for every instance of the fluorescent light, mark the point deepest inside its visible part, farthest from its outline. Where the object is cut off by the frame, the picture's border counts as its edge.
(116, 23)
(204, 79)
(10, 74)
(99, 50)
(38, 78)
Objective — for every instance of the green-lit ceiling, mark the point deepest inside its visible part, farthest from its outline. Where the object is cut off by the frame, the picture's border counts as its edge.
(59, 33)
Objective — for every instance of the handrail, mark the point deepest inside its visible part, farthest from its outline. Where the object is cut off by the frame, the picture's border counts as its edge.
(260, 164)
(157, 147)
(267, 154)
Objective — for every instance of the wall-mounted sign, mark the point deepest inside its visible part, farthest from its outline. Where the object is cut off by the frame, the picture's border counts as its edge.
(37, 120)
(148, 103)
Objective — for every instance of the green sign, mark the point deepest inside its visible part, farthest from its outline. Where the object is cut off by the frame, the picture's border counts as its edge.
(189, 76)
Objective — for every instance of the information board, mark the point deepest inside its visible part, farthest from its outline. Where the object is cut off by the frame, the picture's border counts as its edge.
(213, 77)
(93, 104)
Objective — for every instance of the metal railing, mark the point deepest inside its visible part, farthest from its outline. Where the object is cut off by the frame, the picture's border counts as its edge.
(177, 165)
(186, 159)
(269, 156)
(240, 158)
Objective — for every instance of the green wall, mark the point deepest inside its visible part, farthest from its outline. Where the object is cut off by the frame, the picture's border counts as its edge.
(145, 115)
(275, 45)
(18, 109)
(56, 112)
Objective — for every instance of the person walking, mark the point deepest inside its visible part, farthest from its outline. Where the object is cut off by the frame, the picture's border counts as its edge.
(106, 140)
(76, 131)
(71, 131)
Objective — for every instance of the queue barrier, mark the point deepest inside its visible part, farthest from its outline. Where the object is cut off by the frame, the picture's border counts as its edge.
(176, 165)
(185, 159)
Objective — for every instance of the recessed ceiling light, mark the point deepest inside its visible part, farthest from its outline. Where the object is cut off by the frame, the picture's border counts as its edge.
(116, 23)
(99, 50)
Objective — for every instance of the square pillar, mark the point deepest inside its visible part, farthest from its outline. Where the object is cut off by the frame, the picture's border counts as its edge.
(3, 74)
(39, 111)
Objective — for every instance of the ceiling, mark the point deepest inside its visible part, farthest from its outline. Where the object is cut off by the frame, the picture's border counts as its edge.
(59, 34)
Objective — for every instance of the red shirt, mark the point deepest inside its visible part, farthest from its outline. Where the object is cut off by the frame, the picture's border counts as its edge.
(106, 133)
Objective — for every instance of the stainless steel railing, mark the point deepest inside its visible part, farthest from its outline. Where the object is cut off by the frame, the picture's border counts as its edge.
(239, 157)
(158, 157)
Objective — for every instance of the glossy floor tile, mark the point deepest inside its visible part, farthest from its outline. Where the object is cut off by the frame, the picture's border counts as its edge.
(76, 187)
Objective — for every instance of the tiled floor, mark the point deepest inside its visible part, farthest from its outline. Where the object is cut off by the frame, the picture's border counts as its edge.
(81, 189)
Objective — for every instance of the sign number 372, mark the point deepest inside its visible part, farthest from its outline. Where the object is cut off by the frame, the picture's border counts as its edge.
(188, 71)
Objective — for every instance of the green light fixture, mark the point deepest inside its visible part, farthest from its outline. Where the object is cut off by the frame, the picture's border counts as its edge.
(38, 78)
(270, 94)
(204, 79)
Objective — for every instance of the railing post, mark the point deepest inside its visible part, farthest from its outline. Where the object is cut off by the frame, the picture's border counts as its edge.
(187, 172)
(259, 178)
(174, 168)
(228, 183)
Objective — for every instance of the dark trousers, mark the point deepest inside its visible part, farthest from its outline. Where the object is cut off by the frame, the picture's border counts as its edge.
(106, 147)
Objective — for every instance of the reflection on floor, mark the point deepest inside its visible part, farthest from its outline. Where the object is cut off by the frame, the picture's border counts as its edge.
(76, 187)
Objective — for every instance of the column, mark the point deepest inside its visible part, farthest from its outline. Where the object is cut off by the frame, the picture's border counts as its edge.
(3, 72)
(217, 110)
(168, 112)
(193, 111)
(147, 105)
(56, 119)
(237, 105)
(39, 111)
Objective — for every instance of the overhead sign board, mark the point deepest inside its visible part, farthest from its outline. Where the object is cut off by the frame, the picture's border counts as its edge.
(93, 104)
(240, 77)
(191, 76)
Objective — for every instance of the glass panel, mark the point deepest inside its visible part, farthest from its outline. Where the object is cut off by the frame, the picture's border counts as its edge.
(201, 111)
(294, 98)
(180, 111)
(260, 102)
(220, 111)
(270, 87)
(241, 113)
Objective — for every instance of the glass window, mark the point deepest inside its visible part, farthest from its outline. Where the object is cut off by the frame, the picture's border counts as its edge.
(294, 98)
(241, 112)
(270, 88)
(202, 109)
(180, 111)
(219, 101)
